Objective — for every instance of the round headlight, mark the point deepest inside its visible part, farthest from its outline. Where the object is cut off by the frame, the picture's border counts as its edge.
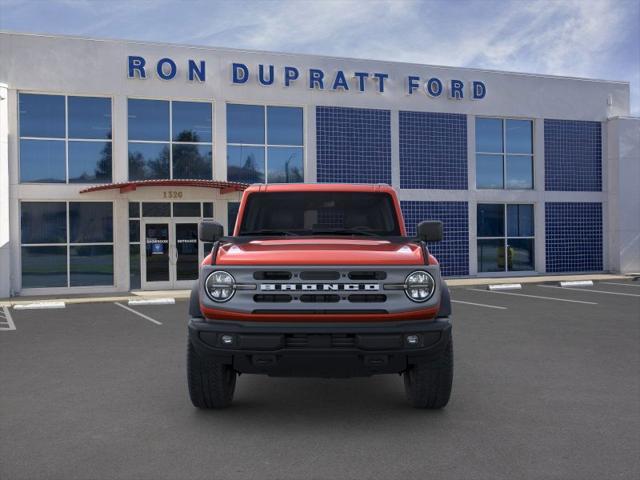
(419, 286)
(220, 286)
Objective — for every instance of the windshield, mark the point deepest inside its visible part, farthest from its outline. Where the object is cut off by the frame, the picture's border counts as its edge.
(319, 213)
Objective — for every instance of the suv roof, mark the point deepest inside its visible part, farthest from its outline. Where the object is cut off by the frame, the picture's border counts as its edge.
(320, 187)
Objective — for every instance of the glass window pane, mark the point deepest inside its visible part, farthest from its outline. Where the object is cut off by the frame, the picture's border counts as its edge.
(89, 117)
(489, 135)
(245, 124)
(245, 164)
(156, 209)
(91, 265)
(519, 136)
(42, 161)
(490, 220)
(207, 210)
(232, 214)
(148, 120)
(148, 161)
(191, 121)
(89, 162)
(90, 222)
(206, 248)
(134, 210)
(285, 165)
(489, 171)
(41, 115)
(134, 267)
(186, 209)
(43, 222)
(192, 161)
(44, 267)
(134, 230)
(491, 256)
(284, 126)
(520, 220)
(519, 172)
(521, 254)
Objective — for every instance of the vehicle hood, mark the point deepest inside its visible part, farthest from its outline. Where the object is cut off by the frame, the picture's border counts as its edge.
(320, 251)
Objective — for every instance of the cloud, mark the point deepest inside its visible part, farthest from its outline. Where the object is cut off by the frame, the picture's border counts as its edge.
(589, 38)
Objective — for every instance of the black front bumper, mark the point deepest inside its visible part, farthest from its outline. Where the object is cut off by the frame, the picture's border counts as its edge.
(319, 349)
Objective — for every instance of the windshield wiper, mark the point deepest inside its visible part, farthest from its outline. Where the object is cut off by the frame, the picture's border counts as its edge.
(267, 232)
(345, 231)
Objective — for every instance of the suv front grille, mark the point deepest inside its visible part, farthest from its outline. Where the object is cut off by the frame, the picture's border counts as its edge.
(320, 341)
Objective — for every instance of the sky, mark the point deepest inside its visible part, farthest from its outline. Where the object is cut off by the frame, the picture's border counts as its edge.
(579, 38)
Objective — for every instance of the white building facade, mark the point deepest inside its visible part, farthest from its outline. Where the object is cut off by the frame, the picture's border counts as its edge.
(111, 152)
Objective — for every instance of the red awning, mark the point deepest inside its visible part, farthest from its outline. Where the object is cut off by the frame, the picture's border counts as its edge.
(224, 187)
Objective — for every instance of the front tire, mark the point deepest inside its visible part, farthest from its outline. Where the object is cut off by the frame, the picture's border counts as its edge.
(211, 384)
(428, 384)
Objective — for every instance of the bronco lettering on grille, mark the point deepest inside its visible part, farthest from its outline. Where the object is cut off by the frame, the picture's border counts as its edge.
(323, 287)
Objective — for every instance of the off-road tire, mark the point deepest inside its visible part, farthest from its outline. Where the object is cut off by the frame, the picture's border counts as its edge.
(211, 384)
(428, 384)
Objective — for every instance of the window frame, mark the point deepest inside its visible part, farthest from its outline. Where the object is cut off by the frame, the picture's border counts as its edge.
(66, 139)
(505, 238)
(266, 145)
(504, 154)
(67, 244)
(170, 142)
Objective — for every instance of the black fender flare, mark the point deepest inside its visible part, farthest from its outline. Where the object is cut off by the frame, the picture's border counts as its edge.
(445, 301)
(194, 302)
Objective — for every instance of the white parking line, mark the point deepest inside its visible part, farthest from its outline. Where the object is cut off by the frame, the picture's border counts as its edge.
(479, 304)
(535, 296)
(8, 321)
(138, 313)
(623, 284)
(590, 290)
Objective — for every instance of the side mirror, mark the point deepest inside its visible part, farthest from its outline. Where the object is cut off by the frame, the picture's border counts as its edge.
(430, 231)
(210, 231)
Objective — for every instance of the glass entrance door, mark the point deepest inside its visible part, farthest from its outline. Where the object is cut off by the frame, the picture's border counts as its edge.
(171, 253)
(187, 253)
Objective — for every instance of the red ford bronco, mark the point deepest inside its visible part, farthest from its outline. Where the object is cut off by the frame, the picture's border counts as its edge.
(320, 280)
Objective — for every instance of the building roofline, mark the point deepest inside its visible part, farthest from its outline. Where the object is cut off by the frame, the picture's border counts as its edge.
(313, 55)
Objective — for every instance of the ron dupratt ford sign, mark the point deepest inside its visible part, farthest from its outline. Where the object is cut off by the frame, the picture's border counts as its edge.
(313, 78)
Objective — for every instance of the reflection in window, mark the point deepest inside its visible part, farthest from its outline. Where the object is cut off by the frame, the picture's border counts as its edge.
(148, 161)
(251, 153)
(186, 153)
(192, 161)
(498, 252)
(504, 153)
(44, 160)
(245, 164)
(41, 116)
(49, 246)
(91, 265)
(90, 162)
(285, 165)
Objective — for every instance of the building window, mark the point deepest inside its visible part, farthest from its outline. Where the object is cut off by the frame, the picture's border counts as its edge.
(169, 139)
(74, 240)
(265, 142)
(505, 237)
(504, 154)
(65, 139)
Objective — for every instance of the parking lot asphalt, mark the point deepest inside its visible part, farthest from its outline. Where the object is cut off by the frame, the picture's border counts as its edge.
(546, 385)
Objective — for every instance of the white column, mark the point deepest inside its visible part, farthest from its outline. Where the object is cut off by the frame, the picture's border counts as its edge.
(623, 205)
(5, 244)
(539, 228)
(472, 198)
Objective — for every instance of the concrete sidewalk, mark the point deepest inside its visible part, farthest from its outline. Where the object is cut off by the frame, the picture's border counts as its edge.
(183, 294)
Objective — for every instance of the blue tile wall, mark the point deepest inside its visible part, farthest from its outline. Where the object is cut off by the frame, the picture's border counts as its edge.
(453, 251)
(353, 145)
(573, 236)
(433, 150)
(572, 155)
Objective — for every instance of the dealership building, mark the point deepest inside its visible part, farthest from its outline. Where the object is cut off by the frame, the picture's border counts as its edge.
(112, 151)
